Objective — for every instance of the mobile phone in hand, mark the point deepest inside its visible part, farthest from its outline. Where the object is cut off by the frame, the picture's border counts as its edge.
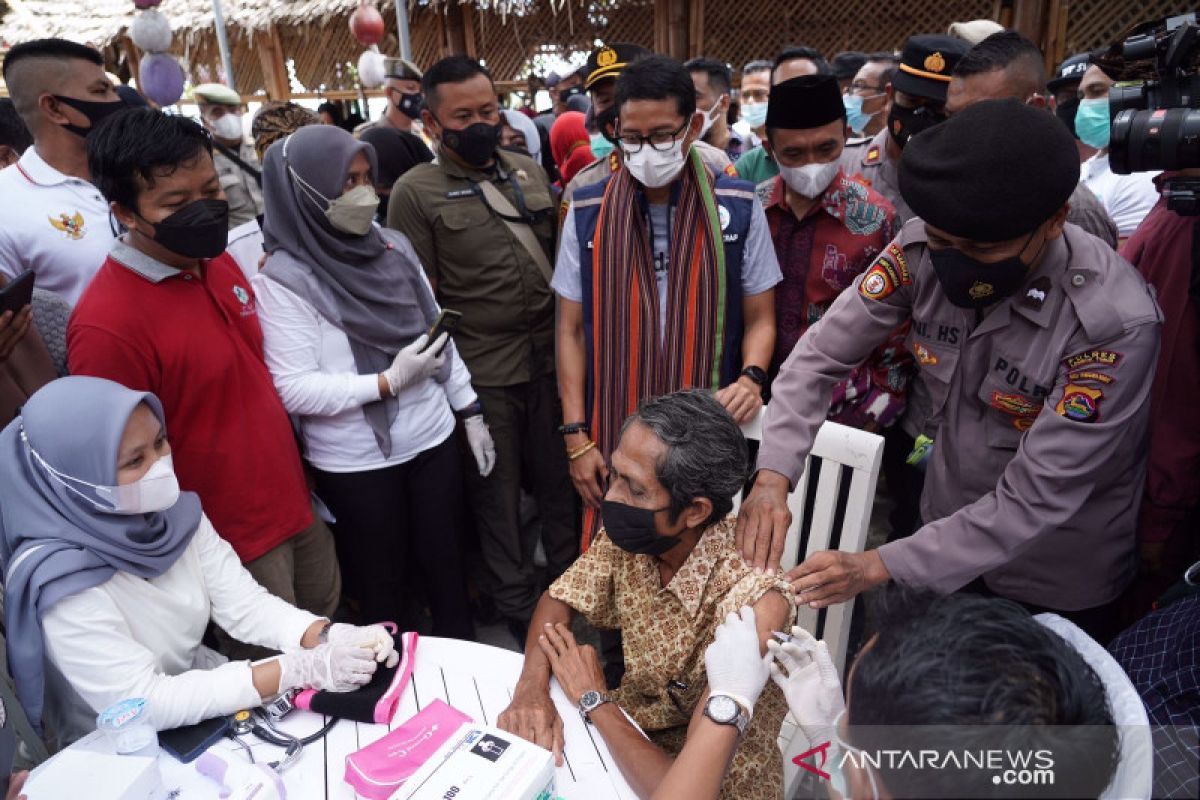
(17, 293)
(446, 322)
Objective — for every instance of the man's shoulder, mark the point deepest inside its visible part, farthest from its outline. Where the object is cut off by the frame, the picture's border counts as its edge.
(423, 176)
(714, 158)
(111, 292)
(1109, 295)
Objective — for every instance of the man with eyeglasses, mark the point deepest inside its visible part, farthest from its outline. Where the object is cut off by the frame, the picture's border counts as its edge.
(916, 101)
(664, 278)
(867, 99)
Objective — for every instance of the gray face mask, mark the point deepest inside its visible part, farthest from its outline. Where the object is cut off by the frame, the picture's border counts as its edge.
(352, 213)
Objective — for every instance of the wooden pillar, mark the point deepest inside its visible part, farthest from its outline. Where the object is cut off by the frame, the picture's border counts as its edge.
(1029, 19)
(274, 66)
(455, 31)
(672, 28)
(133, 59)
(695, 28)
(468, 26)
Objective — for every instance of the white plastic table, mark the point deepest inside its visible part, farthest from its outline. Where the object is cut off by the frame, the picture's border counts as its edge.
(476, 679)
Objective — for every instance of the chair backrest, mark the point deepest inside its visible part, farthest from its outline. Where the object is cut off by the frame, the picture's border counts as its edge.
(844, 492)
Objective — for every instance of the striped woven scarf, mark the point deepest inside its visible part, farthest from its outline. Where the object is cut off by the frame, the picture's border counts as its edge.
(630, 362)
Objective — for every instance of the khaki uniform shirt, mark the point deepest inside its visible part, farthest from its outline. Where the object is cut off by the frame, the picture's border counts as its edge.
(241, 190)
(665, 631)
(868, 158)
(714, 158)
(1039, 412)
(479, 267)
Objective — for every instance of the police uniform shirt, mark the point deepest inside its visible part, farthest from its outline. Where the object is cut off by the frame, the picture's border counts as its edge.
(479, 267)
(56, 225)
(241, 189)
(1039, 414)
(869, 160)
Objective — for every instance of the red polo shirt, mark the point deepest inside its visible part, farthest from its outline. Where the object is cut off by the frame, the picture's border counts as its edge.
(196, 344)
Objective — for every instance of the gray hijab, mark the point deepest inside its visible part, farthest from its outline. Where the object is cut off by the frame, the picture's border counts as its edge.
(371, 286)
(54, 543)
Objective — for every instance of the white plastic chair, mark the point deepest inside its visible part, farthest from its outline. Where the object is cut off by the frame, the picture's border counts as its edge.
(837, 446)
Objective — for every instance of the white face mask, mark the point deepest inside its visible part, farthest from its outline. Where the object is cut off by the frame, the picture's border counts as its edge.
(710, 118)
(228, 126)
(655, 169)
(157, 490)
(811, 179)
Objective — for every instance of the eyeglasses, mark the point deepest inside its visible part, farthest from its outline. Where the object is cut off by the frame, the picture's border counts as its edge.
(858, 87)
(632, 142)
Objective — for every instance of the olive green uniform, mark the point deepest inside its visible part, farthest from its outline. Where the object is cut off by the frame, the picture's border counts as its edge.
(241, 189)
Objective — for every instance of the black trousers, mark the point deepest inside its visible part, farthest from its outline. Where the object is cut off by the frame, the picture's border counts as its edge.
(393, 519)
(524, 422)
(904, 483)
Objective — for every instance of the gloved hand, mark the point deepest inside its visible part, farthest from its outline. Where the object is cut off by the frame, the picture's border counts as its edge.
(732, 662)
(482, 446)
(811, 685)
(413, 365)
(328, 667)
(373, 637)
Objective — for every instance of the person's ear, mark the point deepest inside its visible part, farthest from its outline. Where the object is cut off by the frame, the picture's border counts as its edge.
(766, 144)
(1054, 227)
(1037, 101)
(8, 156)
(724, 104)
(697, 512)
(54, 110)
(124, 216)
(695, 125)
(431, 123)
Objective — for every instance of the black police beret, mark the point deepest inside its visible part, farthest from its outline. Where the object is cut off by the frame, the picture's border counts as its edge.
(994, 171)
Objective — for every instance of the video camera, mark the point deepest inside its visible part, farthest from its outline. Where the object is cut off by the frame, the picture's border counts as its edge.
(1156, 124)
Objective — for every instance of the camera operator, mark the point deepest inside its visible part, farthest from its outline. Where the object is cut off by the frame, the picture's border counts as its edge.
(1164, 249)
(1127, 198)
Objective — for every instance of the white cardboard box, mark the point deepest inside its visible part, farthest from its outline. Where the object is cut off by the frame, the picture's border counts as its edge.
(90, 768)
(482, 763)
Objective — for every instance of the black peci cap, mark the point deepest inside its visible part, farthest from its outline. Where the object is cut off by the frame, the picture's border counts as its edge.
(808, 101)
(992, 172)
(1069, 71)
(609, 60)
(926, 64)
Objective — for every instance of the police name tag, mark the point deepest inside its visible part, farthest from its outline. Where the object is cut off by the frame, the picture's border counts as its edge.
(458, 194)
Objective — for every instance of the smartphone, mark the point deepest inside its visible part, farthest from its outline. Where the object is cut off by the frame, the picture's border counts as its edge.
(446, 322)
(190, 741)
(17, 293)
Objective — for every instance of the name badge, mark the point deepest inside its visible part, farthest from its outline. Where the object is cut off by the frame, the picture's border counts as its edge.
(458, 194)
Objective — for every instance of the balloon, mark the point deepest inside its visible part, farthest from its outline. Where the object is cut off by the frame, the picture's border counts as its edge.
(144, 4)
(366, 23)
(161, 78)
(371, 69)
(151, 31)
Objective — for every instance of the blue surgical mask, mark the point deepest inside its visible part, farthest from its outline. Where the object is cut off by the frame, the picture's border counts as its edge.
(601, 146)
(856, 118)
(1093, 123)
(754, 114)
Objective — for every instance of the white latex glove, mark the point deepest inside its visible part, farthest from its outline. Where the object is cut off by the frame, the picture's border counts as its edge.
(328, 667)
(810, 684)
(732, 662)
(412, 366)
(482, 446)
(373, 637)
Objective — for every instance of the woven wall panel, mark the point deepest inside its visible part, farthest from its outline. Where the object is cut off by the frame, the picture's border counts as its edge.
(1092, 24)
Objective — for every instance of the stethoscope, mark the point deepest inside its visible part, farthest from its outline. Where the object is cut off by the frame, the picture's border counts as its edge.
(261, 722)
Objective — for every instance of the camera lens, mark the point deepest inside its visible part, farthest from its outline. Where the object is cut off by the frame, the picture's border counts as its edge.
(1121, 98)
(1163, 139)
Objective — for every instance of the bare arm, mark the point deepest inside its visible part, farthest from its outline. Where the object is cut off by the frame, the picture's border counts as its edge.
(743, 397)
(588, 471)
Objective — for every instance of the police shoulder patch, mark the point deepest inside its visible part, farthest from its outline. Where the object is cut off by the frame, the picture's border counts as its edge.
(1089, 358)
(874, 156)
(731, 170)
(879, 282)
(1080, 403)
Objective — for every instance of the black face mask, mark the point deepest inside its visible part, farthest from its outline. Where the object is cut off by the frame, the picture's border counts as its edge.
(96, 112)
(410, 105)
(474, 144)
(1066, 113)
(905, 123)
(632, 529)
(606, 121)
(198, 230)
(970, 283)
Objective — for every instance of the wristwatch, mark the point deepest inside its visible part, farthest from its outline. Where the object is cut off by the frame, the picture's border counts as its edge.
(756, 374)
(592, 700)
(724, 710)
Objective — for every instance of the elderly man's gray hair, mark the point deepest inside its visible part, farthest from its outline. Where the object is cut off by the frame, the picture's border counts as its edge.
(706, 452)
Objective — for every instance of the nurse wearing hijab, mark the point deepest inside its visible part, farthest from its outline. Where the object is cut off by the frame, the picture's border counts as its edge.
(344, 307)
(112, 574)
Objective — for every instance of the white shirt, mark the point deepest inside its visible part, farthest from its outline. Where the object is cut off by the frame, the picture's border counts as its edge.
(1127, 198)
(130, 637)
(316, 377)
(246, 246)
(53, 224)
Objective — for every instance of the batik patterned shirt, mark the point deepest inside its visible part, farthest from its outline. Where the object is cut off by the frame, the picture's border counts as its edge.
(665, 631)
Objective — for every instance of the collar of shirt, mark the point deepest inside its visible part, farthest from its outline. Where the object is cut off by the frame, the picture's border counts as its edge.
(35, 168)
(499, 170)
(134, 260)
(689, 583)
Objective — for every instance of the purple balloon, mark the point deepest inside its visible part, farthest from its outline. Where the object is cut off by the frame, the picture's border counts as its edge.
(144, 4)
(161, 78)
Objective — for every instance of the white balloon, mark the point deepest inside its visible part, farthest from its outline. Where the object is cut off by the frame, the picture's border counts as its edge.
(151, 32)
(371, 69)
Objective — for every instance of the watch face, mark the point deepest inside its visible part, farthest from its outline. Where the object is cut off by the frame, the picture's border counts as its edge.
(589, 700)
(722, 709)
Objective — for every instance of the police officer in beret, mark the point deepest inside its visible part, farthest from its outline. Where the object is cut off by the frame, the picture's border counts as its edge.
(1035, 346)
(916, 102)
(404, 99)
